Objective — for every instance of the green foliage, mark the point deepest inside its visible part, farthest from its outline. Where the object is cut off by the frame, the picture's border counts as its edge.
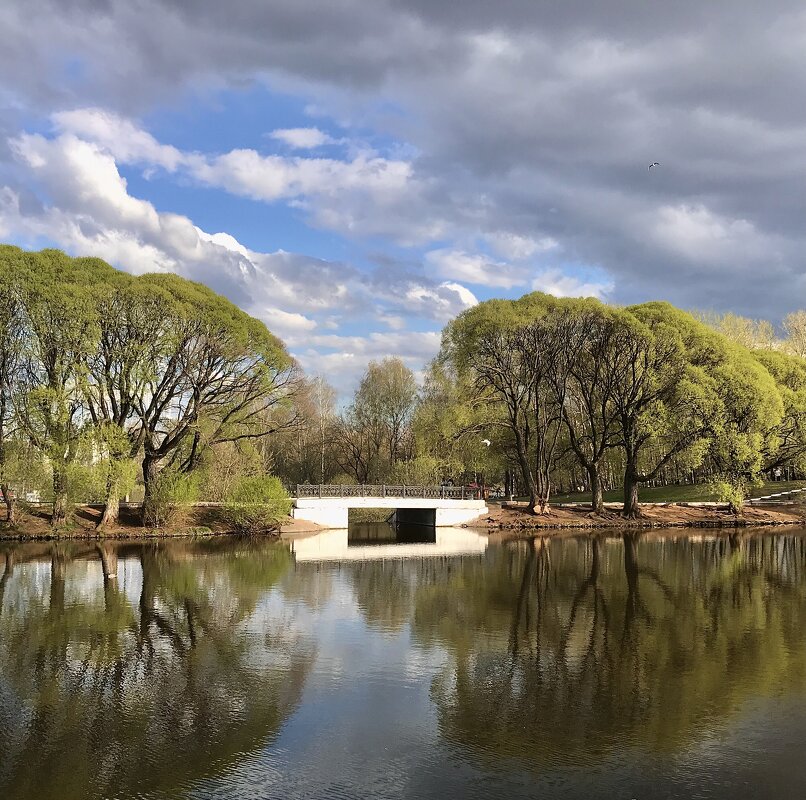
(256, 503)
(421, 470)
(170, 493)
(733, 490)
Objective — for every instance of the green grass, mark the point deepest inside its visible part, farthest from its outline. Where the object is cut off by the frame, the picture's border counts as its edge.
(679, 494)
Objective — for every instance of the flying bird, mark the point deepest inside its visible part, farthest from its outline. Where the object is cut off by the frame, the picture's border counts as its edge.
(654, 164)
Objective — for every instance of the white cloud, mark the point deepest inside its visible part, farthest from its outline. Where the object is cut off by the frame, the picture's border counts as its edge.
(90, 211)
(129, 143)
(474, 268)
(284, 323)
(554, 281)
(466, 297)
(517, 247)
(302, 138)
(269, 178)
(705, 237)
(363, 194)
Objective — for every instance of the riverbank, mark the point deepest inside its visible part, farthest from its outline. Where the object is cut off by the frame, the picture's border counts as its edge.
(510, 516)
(207, 520)
(201, 520)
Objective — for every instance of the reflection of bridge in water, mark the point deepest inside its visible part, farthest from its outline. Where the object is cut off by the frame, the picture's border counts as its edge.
(338, 545)
(442, 506)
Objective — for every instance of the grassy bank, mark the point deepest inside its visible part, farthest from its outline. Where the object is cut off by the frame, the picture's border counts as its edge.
(34, 523)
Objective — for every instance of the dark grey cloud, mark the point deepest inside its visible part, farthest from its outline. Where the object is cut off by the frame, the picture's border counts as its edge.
(530, 117)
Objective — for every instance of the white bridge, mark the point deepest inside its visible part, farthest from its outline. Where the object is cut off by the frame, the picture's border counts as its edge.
(442, 506)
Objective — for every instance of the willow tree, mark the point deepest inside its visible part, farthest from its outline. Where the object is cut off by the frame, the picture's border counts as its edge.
(750, 422)
(11, 327)
(511, 353)
(788, 446)
(135, 334)
(60, 331)
(683, 388)
(215, 377)
(597, 363)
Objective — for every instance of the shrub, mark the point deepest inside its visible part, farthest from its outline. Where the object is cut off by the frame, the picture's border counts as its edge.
(256, 504)
(733, 490)
(169, 495)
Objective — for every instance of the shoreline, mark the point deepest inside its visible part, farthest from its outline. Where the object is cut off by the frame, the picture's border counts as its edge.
(503, 518)
(508, 517)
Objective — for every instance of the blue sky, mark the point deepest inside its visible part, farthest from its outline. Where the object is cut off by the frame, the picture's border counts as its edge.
(357, 175)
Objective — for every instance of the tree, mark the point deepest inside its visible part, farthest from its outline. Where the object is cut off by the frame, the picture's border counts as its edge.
(373, 434)
(795, 327)
(750, 333)
(215, 377)
(301, 452)
(511, 354)
(60, 332)
(595, 334)
(11, 341)
(664, 396)
(384, 403)
(448, 429)
(788, 446)
(684, 391)
(134, 336)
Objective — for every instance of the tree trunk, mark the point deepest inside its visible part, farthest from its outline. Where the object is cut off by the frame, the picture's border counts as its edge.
(597, 496)
(112, 504)
(59, 515)
(58, 568)
(631, 508)
(528, 476)
(631, 573)
(109, 561)
(149, 513)
(7, 572)
(543, 486)
(9, 501)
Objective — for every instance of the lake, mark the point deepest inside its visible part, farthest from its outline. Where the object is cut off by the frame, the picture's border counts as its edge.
(382, 664)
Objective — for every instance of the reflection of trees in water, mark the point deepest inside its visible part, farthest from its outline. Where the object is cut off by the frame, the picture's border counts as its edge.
(310, 584)
(386, 590)
(584, 647)
(112, 697)
(383, 591)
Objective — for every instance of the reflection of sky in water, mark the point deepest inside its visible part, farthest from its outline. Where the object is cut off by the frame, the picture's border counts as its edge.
(392, 643)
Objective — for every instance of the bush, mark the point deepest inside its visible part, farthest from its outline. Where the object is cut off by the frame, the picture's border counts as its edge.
(169, 496)
(733, 490)
(256, 504)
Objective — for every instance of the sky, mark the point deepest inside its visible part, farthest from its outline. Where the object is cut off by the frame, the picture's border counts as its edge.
(357, 173)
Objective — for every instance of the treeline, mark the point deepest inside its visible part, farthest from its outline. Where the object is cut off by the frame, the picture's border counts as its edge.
(118, 379)
(154, 386)
(540, 393)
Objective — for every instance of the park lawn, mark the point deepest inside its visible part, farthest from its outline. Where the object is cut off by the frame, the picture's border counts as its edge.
(699, 492)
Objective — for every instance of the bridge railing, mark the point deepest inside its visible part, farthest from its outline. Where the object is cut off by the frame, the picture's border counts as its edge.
(331, 490)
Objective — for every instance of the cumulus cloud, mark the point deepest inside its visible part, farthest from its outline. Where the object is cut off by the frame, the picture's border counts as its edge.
(525, 126)
(474, 268)
(553, 281)
(301, 138)
(361, 194)
(86, 208)
(128, 142)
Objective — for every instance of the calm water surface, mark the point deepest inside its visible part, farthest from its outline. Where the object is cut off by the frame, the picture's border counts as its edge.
(614, 667)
